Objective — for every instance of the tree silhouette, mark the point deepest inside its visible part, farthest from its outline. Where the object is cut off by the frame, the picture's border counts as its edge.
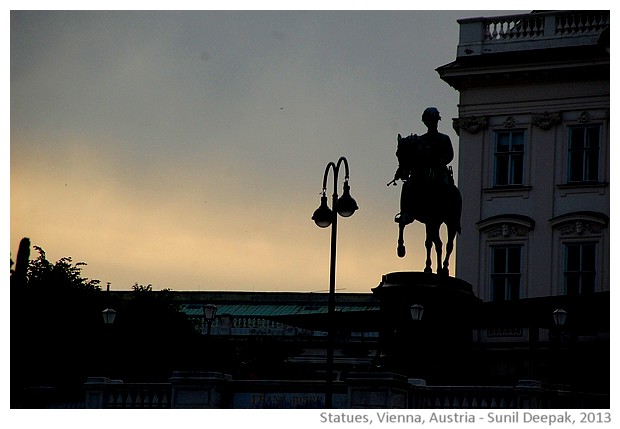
(55, 315)
(58, 338)
(153, 336)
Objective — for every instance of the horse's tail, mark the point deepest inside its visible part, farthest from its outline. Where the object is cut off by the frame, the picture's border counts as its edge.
(454, 222)
(457, 207)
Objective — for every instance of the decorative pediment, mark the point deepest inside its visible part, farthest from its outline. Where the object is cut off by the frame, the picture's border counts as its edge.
(507, 230)
(471, 124)
(546, 120)
(508, 226)
(580, 223)
(580, 228)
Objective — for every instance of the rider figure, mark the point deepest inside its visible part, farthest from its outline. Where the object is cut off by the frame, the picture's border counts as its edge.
(437, 147)
(433, 153)
(428, 194)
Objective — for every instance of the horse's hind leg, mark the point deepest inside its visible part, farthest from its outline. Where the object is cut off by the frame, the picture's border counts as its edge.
(449, 248)
(431, 238)
(438, 249)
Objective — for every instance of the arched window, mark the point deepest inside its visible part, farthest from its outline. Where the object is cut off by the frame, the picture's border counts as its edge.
(580, 258)
(504, 256)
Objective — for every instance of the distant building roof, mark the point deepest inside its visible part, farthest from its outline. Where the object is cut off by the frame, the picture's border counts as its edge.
(270, 310)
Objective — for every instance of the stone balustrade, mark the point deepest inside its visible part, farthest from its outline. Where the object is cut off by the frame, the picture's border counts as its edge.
(363, 390)
(464, 397)
(102, 392)
(538, 30)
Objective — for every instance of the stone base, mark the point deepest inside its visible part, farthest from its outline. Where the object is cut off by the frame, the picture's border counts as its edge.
(423, 287)
(197, 389)
(437, 344)
(445, 299)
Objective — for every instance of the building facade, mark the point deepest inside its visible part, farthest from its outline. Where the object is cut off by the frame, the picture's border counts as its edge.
(534, 153)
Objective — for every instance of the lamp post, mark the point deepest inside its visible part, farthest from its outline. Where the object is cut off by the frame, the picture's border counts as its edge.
(559, 353)
(209, 311)
(344, 206)
(109, 314)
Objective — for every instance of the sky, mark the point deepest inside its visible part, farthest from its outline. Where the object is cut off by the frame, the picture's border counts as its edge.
(186, 149)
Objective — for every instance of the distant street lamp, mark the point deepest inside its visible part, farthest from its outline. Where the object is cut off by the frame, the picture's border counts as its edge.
(209, 311)
(109, 315)
(559, 317)
(344, 206)
(417, 311)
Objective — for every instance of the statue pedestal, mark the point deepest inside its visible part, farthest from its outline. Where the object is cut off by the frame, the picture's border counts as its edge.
(423, 286)
(435, 348)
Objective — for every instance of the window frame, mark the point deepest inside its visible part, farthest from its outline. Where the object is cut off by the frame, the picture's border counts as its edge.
(585, 152)
(580, 273)
(580, 228)
(507, 276)
(509, 230)
(511, 156)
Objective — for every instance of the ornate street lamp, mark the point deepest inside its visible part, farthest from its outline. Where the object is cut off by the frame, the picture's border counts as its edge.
(344, 206)
(209, 311)
(108, 315)
(559, 317)
(417, 311)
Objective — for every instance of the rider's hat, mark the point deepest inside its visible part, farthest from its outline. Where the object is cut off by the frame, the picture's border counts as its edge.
(430, 113)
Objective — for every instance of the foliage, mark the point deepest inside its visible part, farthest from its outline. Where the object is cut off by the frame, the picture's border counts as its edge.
(58, 337)
(55, 315)
(62, 275)
(154, 336)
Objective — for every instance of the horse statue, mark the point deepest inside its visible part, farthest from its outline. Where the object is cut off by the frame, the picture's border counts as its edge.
(428, 195)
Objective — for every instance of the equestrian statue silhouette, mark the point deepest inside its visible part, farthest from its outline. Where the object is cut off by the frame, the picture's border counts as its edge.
(428, 194)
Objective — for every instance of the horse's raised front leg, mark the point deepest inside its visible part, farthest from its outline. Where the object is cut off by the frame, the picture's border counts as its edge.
(439, 247)
(401, 240)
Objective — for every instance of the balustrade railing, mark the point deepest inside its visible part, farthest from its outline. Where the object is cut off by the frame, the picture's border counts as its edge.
(461, 397)
(513, 28)
(546, 29)
(581, 22)
(138, 395)
(160, 395)
(545, 25)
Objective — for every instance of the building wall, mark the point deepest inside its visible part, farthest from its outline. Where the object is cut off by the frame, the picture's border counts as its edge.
(543, 95)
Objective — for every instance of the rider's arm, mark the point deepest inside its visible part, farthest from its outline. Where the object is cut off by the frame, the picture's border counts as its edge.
(447, 151)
